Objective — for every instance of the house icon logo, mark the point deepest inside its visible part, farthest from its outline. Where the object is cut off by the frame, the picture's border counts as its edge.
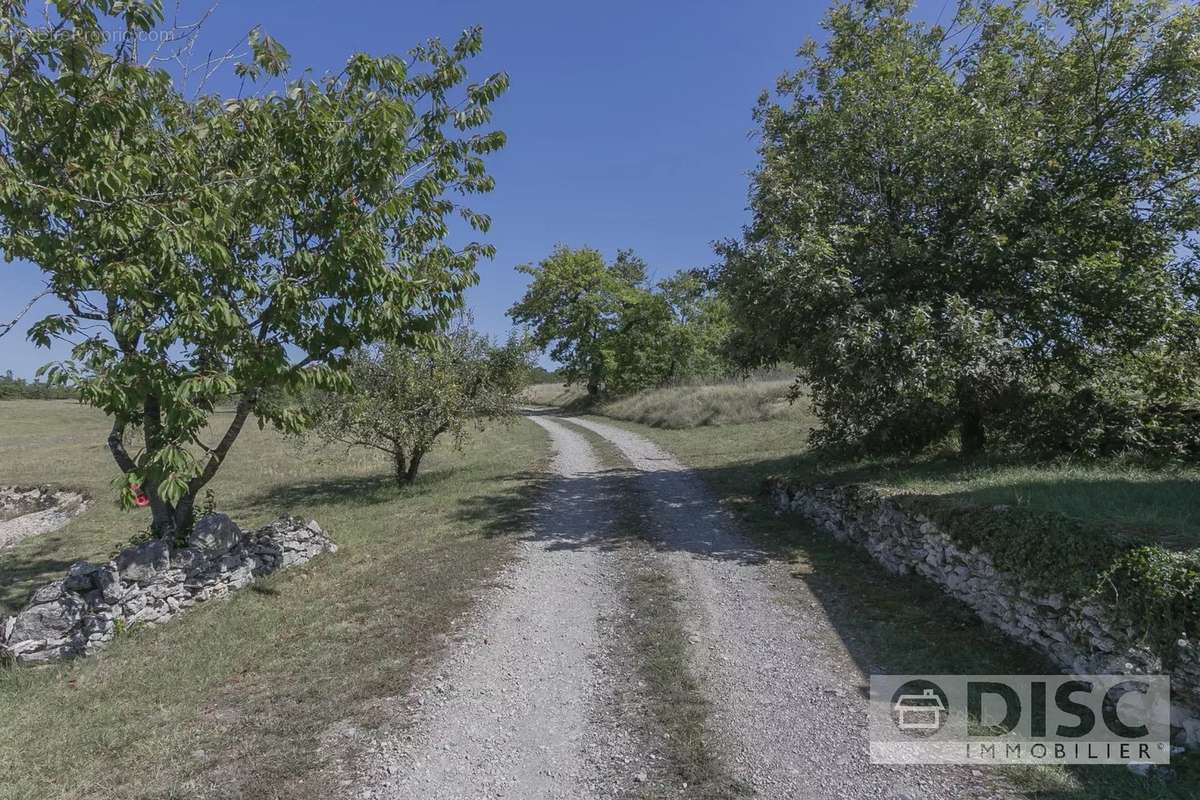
(919, 708)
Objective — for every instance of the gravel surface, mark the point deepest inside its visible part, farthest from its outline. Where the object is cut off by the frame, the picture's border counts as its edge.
(788, 699)
(522, 706)
(532, 700)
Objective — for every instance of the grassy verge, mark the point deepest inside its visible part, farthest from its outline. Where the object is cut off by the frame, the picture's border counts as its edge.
(240, 698)
(889, 624)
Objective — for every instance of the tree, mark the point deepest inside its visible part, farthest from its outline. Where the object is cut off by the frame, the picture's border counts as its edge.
(985, 226)
(581, 308)
(611, 329)
(404, 398)
(210, 249)
(696, 340)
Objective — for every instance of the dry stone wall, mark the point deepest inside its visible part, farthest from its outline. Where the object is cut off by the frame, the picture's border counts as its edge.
(33, 510)
(150, 583)
(1081, 637)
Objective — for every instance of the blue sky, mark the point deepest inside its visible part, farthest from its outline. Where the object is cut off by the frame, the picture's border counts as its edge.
(629, 123)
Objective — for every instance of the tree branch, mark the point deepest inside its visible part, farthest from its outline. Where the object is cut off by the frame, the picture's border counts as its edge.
(8, 326)
(219, 452)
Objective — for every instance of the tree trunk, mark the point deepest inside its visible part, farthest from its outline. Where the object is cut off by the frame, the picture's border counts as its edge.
(170, 521)
(971, 431)
(414, 464)
(400, 465)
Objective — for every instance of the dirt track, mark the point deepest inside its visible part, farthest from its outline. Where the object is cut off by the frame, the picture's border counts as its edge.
(524, 705)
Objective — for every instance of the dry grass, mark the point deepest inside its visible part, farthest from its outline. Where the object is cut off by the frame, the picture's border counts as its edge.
(684, 406)
(237, 698)
(552, 394)
(681, 407)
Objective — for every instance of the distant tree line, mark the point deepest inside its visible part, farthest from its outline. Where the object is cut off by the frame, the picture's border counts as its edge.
(20, 389)
(613, 330)
(984, 230)
(539, 374)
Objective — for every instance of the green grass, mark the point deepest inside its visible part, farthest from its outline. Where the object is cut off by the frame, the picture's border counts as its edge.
(238, 698)
(889, 624)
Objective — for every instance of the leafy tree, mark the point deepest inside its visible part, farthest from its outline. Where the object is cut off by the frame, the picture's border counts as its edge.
(581, 308)
(209, 249)
(404, 398)
(984, 226)
(611, 329)
(696, 340)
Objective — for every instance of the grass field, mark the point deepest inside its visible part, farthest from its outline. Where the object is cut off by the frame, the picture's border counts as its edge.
(552, 394)
(241, 698)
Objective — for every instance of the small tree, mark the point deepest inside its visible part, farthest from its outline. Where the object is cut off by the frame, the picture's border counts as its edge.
(212, 249)
(405, 398)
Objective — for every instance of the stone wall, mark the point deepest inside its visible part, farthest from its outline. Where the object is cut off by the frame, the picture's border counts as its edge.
(33, 510)
(1081, 637)
(151, 583)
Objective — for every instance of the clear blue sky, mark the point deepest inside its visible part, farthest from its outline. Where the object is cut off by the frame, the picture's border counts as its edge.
(628, 122)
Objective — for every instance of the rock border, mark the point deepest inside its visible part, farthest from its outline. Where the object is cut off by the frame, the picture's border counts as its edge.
(151, 583)
(27, 511)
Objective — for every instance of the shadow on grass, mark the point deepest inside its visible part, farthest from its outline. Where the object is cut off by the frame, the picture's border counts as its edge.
(507, 512)
(339, 490)
(16, 573)
(1161, 511)
(1136, 503)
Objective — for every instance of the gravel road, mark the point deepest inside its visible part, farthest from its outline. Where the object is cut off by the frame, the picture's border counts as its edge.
(524, 704)
(789, 711)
